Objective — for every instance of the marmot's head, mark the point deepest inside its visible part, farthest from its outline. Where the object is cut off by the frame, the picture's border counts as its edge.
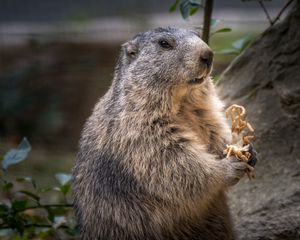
(164, 57)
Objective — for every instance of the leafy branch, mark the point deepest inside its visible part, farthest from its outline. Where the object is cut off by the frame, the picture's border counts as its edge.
(190, 7)
(238, 46)
(24, 213)
(65, 205)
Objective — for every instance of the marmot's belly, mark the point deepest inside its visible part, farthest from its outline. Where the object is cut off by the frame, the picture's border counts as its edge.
(154, 225)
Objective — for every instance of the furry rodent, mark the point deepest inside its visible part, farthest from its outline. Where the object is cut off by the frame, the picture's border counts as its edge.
(150, 164)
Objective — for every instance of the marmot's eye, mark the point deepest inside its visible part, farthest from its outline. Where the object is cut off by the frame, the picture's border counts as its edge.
(165, 44)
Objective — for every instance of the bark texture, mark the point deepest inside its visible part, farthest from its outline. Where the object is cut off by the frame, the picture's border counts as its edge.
(266, 80)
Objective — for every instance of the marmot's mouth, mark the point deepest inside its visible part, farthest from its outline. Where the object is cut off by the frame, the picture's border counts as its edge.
(196, 80)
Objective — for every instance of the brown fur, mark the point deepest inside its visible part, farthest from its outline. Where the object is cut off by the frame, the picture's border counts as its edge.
(150, 163)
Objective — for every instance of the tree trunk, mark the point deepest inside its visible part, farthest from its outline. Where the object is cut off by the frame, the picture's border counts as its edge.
(208, 8)
(266, 80)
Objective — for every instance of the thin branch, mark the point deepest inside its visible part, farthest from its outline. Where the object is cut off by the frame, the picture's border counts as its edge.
(3, 226)
(281, 12)
(266, 11)
(46, 206)
(50, 206)
(207, 20)
(43, 225)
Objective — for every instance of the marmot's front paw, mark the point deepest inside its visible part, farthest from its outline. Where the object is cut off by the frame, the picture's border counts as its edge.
(234, 170)
(253, 159)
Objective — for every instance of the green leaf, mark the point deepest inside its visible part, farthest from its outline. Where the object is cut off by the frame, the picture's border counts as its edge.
(45, 189)
(228, 51)
(73, 231)
(173, 6)
(7, 186)
(237, 46)
(51, 214)
(58, 221)
(63, 178)
(18, 224)
(19, 205)
(30, 194)
(242, 43)
(54, 212)
(44, 233)
(185, 8)
(16, 155)
(4, 210)
(222, 30)
(196, 3)
(214, 22)
(65, 188)
(24, 179)
(193, 11)
(27, 179)
(60, 211)
(56, 189)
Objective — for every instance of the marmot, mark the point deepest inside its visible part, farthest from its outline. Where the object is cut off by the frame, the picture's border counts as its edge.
(150, 164)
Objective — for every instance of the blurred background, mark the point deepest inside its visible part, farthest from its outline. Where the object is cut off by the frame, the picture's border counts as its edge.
(57, 58)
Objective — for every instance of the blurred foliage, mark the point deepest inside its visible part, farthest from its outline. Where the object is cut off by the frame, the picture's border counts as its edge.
(25, 212)
(21, 98)
(47, 89)
(187, 7)
(238, 46)
(190, 7)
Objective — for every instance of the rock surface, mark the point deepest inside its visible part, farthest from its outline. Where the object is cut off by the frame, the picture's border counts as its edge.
(266, 80)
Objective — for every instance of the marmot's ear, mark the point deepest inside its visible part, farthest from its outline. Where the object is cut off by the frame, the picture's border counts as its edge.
(131, 49)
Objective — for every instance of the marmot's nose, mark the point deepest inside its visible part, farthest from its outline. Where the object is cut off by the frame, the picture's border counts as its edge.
(207, 58)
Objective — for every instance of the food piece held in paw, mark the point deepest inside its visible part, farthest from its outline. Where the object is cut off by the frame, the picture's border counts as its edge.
(242, 134)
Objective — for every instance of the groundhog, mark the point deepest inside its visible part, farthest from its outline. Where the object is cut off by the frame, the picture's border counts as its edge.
(150, 164)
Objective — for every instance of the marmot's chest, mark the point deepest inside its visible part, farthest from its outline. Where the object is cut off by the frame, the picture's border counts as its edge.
(207, 129)
(196, 112)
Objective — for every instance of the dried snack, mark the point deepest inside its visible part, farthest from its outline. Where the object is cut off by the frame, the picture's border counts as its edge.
(242, 134)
